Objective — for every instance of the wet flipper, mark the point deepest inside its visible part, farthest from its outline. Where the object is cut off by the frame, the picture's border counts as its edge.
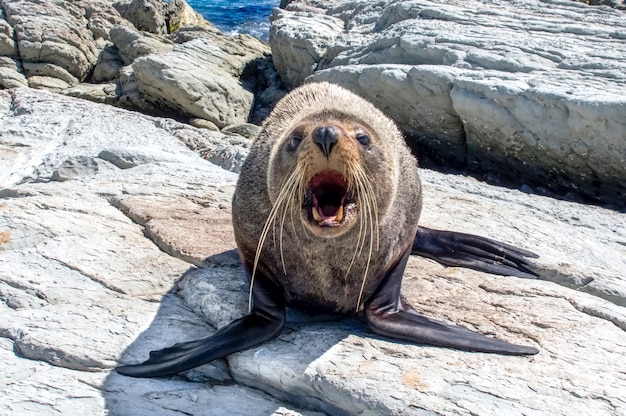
(473, 252)
(264, 323)
(388, 313)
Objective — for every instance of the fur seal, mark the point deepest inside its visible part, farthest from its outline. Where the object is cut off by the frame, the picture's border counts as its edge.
(326, 215)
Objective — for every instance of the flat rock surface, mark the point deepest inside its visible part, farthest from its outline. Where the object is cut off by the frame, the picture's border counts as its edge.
(129, 250)
(535, 90)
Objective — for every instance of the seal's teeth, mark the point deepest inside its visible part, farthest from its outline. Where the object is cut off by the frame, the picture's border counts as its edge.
(339, 215)
(316, 215)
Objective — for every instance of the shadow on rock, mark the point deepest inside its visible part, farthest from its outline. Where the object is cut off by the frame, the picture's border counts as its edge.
(254, 381)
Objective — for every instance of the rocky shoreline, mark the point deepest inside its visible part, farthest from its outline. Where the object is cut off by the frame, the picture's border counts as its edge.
(527, 94)
(148, 55)
(115, 232)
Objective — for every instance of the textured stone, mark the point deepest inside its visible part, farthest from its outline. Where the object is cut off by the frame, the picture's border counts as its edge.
(11, 73)
(81, 287)
(132, 44)
(145, 15)
(297, 52)
(201, 77)
(52, 32)
(106, 266)
(533, 90)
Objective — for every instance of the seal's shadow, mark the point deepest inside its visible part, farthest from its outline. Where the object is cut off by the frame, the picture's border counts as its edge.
(201, 300)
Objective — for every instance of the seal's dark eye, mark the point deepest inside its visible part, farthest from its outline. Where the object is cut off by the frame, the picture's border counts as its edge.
(294, 141)
(364, 139)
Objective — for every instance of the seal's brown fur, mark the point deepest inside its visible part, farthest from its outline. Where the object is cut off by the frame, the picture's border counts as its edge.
(326, 269)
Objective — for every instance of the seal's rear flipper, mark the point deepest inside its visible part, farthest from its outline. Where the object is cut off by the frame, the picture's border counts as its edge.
(387, 313)
(265, 322)
(473, 252)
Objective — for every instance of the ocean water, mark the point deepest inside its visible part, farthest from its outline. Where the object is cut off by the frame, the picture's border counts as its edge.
(242, 16)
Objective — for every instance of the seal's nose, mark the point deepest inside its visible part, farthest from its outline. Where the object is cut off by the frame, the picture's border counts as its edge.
(326, 137)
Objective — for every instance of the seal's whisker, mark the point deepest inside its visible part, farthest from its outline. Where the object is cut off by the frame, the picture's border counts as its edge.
(353, 186)
(271, 218)
(368, 224)
(291, 196)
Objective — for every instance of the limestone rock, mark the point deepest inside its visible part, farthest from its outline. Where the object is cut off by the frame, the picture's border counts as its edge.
(145, 15)
(524, 89)
(101, 17)
(109, 63)
(132, 44)
(11, 73)
(110, 264)
(99, 93)
(297, 52)
(179, 14)
(247, 130)
(53, 33)
(201, 78)
(8, 47)
(68, 47)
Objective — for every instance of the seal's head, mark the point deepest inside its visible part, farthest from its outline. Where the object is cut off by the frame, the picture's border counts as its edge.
(325, 165)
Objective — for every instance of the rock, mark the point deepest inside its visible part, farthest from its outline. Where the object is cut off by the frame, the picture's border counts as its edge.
(8, 47)
(201, 78)
(11, 73)
(539, 100)
(296, 52)
(132, 44)
(110, 264)
(247, 130)
(48, 83)
(109, 64)
(49, 71)
(80, 166)
(102, 16)
(52, 32)
(145, 15)
(68, 47)
(179, 14)
(203, 124)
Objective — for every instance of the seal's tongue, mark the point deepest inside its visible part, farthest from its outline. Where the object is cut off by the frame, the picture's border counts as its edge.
(328, 196)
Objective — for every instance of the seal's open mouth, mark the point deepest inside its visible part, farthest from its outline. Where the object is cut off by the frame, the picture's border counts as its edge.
(328, 201)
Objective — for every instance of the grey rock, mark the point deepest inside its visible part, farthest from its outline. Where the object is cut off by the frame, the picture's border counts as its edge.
(11, 73)
(200, 78)
(8, 47)
(52, 32)
(247, 130)
(101, 17)
(297, 52)
(109, 63)
(100, 93)
(179, 14)
(145, 15)
(524, 89)
(132, 44)
(102, 268)
(203, 124)
(80, 166)
(47, 83)
(32, 69)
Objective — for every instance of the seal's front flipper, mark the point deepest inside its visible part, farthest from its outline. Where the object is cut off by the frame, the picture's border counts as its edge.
(265, 322)
(473, 252)
(387, 313)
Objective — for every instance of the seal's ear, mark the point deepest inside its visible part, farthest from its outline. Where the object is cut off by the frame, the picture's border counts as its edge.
(388, 313)
(265, 322)
(473, 252)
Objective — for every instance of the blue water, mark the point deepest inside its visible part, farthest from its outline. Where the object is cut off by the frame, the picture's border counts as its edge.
(242, 16)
